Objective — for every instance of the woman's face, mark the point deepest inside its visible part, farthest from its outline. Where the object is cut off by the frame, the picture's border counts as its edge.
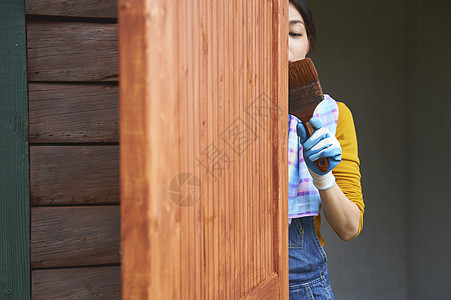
(298, 43)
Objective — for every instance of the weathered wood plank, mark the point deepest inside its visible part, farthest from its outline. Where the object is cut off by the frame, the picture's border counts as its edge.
(72, 51)
(75, 236)
(73, 113)
(74, 174)
(73, 8)
(77, 283)
(14, 210)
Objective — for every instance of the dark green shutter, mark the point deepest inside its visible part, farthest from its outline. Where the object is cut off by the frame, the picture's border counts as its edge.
(14, 165)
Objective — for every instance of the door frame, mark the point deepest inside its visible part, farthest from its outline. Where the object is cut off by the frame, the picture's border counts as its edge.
(14, 161)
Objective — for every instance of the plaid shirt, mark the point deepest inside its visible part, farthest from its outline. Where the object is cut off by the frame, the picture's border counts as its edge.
(303, 196)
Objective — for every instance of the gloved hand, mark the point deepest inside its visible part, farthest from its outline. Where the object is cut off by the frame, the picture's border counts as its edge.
(321, 144)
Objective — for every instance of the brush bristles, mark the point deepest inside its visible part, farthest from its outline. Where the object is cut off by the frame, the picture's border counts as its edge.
(301, 72)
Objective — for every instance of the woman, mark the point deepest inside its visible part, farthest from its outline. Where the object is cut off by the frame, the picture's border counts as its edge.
(337, 191)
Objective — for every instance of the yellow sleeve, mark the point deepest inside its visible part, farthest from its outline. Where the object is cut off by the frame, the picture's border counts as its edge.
(347, 172)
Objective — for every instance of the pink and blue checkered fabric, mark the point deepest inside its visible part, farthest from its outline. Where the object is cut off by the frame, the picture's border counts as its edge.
(303, 196)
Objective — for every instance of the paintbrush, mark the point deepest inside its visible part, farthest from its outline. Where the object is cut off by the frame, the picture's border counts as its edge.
(305, 94)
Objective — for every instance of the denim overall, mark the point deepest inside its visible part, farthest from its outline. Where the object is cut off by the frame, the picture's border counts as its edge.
(309, 278)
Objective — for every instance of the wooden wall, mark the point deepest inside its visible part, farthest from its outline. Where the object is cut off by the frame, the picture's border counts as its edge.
(74, 148)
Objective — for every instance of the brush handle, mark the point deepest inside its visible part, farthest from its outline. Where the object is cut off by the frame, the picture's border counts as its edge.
(321, 163)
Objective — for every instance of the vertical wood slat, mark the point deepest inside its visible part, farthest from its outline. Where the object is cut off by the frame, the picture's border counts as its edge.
(231, 192)
(269, 150)
(261, 150)
(238, 50)
(252, 40)
(271, 190)
(213, 86)
(239, 195)
(266, 71)
(255, 150)
(195, 49)
(185, 234)
(213, 113)
(228, 264)
(14, 211)
(242, 194)
(249, 97)
(247, 174)
(203, 142)
(210, 279)
(253, 147)
(263, 186)
(222, 241)
(209, 112)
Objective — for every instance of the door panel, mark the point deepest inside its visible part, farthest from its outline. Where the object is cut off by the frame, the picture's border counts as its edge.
(203, 110)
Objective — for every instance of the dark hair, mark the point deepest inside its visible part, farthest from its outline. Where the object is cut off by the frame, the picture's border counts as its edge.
(306, 13)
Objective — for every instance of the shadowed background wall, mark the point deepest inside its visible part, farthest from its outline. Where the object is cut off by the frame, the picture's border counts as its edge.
(389, 62)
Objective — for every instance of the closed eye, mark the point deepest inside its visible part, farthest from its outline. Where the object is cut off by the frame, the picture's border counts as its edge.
(295, 34)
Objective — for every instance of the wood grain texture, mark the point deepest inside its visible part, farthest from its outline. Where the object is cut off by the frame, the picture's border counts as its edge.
(75, 236)
(14, 210)
(77, 283)
(68, 113)
(73, 8)
(74, 174)
(267, 290)
(143, 239)
(72, 51)
(222, 86)
(279, 133)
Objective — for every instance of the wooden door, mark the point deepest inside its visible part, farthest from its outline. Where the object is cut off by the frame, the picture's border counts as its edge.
(203, 146)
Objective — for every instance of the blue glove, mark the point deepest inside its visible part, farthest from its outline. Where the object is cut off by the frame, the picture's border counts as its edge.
(321, 144)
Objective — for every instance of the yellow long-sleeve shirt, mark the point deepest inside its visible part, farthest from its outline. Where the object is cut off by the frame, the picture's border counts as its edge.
(347, 172)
